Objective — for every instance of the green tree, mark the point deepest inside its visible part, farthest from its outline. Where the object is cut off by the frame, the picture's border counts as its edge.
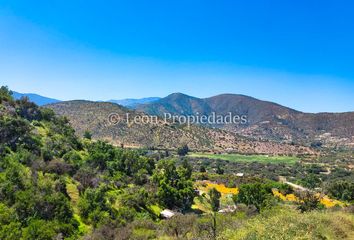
(40, 230)
(311, 181)
(175, 188)
(256, 194)
(183, 150)
(219, 169)
(5, 94)
(27, 109)
(10, 227)
(88, 135)
(185, 170)
(202, 169)
(214, 196)
(342, 190)
(94, 206)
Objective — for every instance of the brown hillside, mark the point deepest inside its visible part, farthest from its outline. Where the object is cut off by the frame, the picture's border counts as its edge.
(94, 116)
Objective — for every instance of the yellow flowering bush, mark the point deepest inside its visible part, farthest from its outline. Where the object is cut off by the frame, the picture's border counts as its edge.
(206, 186)
(325, 200)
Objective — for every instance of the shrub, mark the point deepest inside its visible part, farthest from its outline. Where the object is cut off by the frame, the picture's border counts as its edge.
(256, 194)
(87, 135)
(183, 150)
(288, 224)
(342, 190)
(308, 201)
(5, 94)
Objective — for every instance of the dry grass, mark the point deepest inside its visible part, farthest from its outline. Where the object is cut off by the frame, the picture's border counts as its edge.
(289, 224)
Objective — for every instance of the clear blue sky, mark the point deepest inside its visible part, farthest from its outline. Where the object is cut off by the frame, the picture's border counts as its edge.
(296, 53)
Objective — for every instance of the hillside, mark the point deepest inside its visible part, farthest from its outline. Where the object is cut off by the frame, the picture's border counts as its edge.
(55, 185)
(94, 116)
(176, 103)
(266, 120)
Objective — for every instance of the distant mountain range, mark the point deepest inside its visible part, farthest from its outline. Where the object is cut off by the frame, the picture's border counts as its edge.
(266, 120)
(133, 102)
(128, 102)
(38, 99)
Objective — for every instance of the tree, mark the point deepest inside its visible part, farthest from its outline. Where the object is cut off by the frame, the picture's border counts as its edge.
(94, 207)
(219, 169)
(47, 114)
(87, 135)
(39, 230)
(185, 170)
(202, 169)
(5, 94)
(15, 131)
(342, 190)
(214, 196)
(27, 109)
(100, 153)
(10, 228)
(316, 144)
(311, 181)
(183, 150)
(174, 186)
(256, 194)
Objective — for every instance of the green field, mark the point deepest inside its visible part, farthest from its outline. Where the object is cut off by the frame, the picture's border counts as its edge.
(247, 158)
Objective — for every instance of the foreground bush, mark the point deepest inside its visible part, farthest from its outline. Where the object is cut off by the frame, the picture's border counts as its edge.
(288, 224)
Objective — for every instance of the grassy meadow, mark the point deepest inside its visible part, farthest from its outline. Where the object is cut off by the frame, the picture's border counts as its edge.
(247, 158)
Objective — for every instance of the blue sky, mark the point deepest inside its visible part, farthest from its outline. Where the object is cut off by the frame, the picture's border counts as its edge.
(295, 53)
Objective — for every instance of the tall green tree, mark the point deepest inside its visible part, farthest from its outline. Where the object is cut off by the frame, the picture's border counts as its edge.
(214, 196)
(175, 187)
(256, 194)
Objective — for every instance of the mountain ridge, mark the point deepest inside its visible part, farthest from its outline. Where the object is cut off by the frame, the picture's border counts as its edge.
(95, 117)
(133, 102)
(266, 120)
(36, 98)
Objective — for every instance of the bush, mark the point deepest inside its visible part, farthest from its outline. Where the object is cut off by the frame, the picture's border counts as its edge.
(183, 150)
(311, 181)
(47, 114)
(289, 224)
(5, 94)
(27, 109)
(179, 226)
(308, 201)
(342, 190)
(87, 135)
(39, 230)
(256, 194)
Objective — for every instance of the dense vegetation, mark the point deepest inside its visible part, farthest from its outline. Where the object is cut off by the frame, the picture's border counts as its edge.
(54, 185)
(41, 157)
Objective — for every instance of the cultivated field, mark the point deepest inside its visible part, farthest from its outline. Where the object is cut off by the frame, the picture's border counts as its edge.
(247, 158)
